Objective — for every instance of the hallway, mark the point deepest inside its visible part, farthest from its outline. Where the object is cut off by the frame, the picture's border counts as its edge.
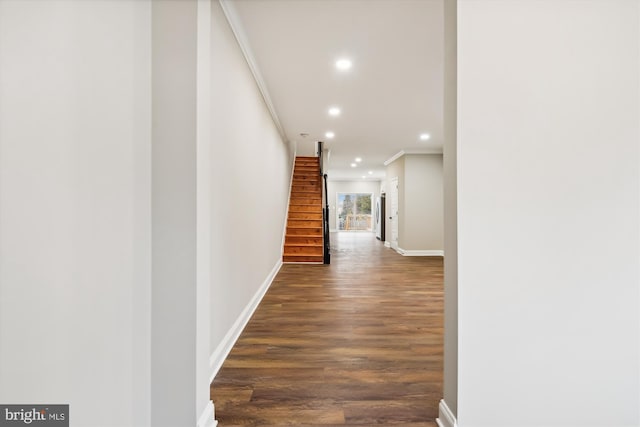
(357, 342)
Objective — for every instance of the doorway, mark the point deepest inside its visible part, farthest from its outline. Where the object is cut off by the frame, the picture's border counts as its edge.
(393, 213)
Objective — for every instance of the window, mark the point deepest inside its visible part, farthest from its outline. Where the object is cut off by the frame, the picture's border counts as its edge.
(354, 211)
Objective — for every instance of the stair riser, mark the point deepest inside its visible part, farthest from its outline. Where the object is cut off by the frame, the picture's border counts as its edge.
(303, 250)
(304, 258)
(305, 215)
(315, 231)
(306, 208)
(307, 182)
(304, 223)
(306, 188)
(306, 201)
(302, 240)
(301, 196)
(306, 191)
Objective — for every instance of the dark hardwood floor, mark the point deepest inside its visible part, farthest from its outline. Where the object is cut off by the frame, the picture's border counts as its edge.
(357, 342)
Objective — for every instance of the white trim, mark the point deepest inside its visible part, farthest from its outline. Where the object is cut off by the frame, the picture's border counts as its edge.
(222, 351)
(207, 418)
(387, 244)
(445, 416)
(238, 31)
(416, 151)
(394, 158)
(428, 252)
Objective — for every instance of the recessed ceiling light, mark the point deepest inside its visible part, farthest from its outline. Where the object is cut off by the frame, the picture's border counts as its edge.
(363, 177)
(370, 172)
(329, 135)
(334, 111)
(353, 165)
(343, 64)
(358, 159)
(424, 136)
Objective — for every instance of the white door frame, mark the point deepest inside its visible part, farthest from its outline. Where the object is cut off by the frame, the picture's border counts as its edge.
(393, 213)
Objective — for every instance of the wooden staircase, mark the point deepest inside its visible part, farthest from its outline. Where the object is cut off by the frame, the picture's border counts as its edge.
(303, 239)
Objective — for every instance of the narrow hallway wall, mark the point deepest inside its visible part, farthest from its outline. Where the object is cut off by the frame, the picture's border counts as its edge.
(250, 179)
(548, 209)
(75, 208)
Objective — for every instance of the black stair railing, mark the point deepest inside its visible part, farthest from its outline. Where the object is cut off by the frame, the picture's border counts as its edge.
(325, 210)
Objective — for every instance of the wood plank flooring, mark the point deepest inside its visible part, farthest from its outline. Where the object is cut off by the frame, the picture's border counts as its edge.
(357, 342)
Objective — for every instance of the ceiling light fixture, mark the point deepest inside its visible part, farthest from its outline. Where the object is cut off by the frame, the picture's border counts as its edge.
(343, 64)
(370, 172)
(334, 111)
(330, 135)
(358, 159)
(353, 165)
(424, 136)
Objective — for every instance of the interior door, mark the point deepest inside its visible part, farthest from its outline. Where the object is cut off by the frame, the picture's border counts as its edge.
(393, 214)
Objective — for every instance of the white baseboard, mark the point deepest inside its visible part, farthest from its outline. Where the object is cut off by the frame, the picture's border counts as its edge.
(207, 418)
(406, 252)
(222, 351)
(445, 416)
(387, 244)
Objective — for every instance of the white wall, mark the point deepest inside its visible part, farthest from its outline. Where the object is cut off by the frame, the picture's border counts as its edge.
(423, 203)
(420, 203)
(251, 174)
(335, 187)
(75, 208)
(179, 320)
(548, 210)
(95, 312)
(449, 159)
(203, 405)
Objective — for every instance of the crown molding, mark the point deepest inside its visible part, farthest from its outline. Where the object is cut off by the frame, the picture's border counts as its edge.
(233, 19)
(411, 151)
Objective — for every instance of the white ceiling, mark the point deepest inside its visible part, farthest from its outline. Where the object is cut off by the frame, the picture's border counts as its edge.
(391, 95)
